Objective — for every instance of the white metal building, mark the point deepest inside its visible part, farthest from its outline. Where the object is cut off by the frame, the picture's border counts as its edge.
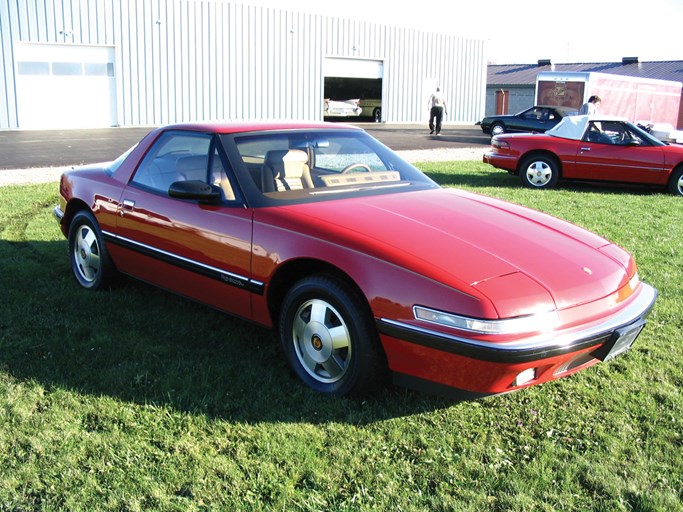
(100, 63)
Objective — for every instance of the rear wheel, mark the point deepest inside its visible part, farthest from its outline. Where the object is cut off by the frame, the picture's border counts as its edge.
(377, 115)
(497, 129)
(676, 181)
(328, 337)
(90, 260)
(539, 171)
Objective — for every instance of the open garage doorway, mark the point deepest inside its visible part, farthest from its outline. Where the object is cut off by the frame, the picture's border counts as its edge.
(353, 90)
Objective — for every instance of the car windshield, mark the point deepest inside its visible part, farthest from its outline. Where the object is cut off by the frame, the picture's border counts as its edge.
(301, 165)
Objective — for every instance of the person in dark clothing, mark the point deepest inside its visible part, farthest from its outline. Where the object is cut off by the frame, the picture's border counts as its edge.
(437, 108)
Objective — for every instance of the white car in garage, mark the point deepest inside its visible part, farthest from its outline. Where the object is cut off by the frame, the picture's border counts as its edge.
(342, 108)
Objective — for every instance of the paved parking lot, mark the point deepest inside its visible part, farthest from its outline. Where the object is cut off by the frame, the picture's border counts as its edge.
(22, 149)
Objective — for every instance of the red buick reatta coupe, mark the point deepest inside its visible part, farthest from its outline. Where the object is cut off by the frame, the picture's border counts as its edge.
(362, 264)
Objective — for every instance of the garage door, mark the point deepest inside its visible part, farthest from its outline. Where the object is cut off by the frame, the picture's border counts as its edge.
(65, 86)
(353, 68)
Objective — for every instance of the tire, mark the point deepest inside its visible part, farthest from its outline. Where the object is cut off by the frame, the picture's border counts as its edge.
(90, 260)
(329, 339)
(539, 171)
(676, 181)
(497, 129)
(377, 115)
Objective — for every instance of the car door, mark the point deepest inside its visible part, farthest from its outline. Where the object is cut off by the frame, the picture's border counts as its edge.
(611, 151)
(535, 119)
(200, 249)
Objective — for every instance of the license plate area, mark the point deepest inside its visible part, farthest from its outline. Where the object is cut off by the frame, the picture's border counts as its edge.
(620, 342)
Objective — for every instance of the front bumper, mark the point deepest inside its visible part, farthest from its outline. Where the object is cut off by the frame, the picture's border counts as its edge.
(58, 213)
(492, 367)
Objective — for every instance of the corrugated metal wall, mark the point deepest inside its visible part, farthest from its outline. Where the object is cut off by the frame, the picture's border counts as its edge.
(186, 60)
(518, 98)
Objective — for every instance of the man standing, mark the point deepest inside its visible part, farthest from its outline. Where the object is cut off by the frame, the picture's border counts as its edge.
(437, 108)
(591, 106)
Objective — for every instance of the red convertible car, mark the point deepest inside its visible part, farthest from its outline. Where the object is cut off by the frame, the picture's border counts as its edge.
(594, 148)
(361, 263)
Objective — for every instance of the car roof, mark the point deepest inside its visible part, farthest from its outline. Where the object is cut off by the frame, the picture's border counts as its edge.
(560, 109)
(573, 127)
(224, 127)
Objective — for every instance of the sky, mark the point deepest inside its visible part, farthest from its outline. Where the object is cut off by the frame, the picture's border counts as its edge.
(524, 31)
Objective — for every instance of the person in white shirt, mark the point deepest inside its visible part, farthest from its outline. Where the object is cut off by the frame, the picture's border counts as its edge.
(437, 108)
(591, 106)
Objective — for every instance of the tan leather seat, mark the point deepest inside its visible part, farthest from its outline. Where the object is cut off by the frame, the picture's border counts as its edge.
(285, 170)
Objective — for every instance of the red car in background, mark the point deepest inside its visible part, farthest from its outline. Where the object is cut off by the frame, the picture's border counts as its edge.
(361, 263)
(594, 148)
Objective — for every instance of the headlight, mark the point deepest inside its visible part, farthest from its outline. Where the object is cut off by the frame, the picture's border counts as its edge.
(539, 322)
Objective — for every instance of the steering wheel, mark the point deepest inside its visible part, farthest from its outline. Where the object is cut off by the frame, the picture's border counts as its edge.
(351, 167)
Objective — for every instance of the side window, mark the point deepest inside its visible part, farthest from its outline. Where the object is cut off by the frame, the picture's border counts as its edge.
(176, 156)
(612, 132)
(632, 138)
(596, 133)
(536, 113)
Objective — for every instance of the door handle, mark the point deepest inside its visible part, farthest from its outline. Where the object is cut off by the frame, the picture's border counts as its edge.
(585, 149)
(126, 205)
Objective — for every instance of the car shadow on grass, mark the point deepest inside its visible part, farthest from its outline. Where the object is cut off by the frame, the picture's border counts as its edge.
(477, 179)
(503, 180)
(143, 345)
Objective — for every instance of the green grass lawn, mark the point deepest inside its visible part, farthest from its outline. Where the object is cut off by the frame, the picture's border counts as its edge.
(134, 399)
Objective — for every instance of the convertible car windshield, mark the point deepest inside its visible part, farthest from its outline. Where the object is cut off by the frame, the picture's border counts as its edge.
(316, 165)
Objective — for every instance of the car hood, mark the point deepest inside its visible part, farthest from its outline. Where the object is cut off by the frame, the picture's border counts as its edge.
(466, 240)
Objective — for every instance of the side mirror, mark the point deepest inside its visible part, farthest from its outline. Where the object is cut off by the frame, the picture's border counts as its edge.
(194, 189)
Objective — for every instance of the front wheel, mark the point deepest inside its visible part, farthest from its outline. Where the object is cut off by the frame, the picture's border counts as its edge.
(90, 260)
(676, 182)
(328, 337)
(377, 115)
(539, 171)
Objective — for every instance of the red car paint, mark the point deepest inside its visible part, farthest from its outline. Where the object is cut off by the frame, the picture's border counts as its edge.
(627, 154)
(405, 247)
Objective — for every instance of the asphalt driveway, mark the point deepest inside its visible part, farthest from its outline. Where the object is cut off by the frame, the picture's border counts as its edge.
(23, 149)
